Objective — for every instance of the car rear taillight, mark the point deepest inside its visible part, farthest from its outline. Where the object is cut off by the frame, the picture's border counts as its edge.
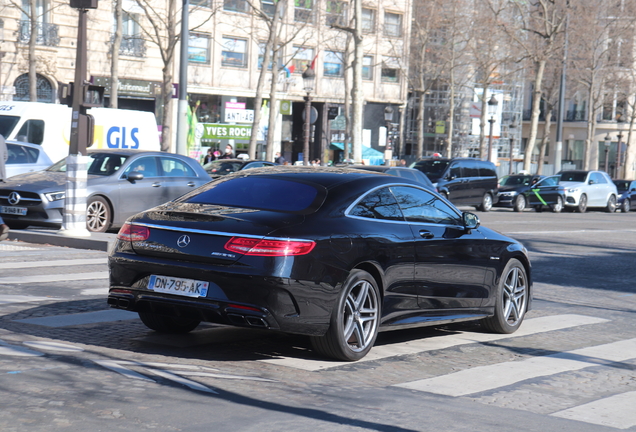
(130, 232)
(266, 247)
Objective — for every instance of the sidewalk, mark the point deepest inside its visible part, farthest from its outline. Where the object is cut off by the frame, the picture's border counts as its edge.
(51, 236)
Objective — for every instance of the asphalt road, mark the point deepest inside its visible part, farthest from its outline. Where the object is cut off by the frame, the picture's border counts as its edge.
(68, 363)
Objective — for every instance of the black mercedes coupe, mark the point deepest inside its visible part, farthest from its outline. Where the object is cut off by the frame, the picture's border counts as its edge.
(335, 254)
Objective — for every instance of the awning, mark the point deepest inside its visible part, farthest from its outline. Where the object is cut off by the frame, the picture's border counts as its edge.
(367, 152)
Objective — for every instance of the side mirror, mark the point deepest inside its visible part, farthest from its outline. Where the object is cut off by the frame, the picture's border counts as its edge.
(591, 182)
(134, 176)
(471, 220)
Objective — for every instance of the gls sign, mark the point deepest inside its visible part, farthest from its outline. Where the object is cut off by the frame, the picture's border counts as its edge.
(120, 138)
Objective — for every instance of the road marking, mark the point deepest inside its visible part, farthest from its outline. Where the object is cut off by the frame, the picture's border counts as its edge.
(56, 263)
(570, 232)
(9, 299)
(484, 378)
(615, 411)
(17, 351)
(108, 315)
(16, 280)
(529, 327)
(53, 346)
(10, 247)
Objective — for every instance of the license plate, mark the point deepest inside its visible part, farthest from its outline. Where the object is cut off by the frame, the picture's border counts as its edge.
(22, 211)
(178, 286)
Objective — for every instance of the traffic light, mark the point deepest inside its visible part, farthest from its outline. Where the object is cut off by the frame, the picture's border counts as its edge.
(93, 95)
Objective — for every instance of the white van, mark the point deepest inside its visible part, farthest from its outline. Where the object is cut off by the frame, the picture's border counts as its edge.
(50, 126)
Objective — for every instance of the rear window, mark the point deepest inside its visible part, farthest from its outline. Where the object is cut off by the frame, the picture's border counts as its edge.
(262, 193)
(573, 176)
(622, 186)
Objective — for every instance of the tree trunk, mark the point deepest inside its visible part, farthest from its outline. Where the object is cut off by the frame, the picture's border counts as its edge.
(630, 156)
(356, 91)
(534, 118)
(114, 64)
(273, 109)
(546, 138)
(421, 121)
(451, 116)
(483, 145)
(33, 38)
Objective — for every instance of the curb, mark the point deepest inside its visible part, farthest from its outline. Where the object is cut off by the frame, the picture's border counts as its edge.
(54, 239)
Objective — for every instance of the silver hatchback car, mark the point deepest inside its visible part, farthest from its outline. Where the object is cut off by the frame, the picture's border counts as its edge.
(121, 183)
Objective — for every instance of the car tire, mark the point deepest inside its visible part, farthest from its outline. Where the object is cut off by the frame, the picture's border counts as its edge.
(354, 320)
(16, 225)
(486, 203)
(582, 207)
(511, 300)
(168, 324)
(611, 204)
(98, 215)
(557, 207)
(626, 206)
(520, 203)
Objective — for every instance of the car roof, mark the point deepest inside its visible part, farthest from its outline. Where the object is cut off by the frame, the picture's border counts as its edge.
(131, 152)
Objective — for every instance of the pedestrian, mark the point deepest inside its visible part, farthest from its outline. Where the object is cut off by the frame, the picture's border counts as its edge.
(402, 162)
(229, 152)
(279, 159)
(209, 157)
(4, 155)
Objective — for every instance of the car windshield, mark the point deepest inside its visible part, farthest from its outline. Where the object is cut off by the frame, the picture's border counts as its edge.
(432, 168)
(7, 123)
(573, 176)
(260, 193)
(621, 185)
(103, 164)
(221, 167)
(516, 180)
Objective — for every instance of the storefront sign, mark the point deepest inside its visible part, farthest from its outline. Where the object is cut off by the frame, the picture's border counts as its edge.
(214, 131)
(235, 105)
(239, 115)
(130, 87)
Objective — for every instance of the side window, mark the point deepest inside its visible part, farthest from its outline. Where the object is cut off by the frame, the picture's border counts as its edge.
(145, 165)
(633, 186)
(419, 205)
(19, 154)
(455, 171)
(486, 170)
(32, 131)
(175, 168)
(597, 178)
(379, 204)
(471, 169)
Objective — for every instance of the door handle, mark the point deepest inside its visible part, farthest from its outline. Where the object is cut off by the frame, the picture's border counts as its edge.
(191, 184)
(426, 234)
(156, 185)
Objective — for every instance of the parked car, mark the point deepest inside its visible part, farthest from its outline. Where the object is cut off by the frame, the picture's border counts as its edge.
(512, 188)
(25, 157)
(586, 189)
(120, 184)
(546, 192)
(463, 181)
(335, 254)
(221, 167)
(626, 194)
(404, 172)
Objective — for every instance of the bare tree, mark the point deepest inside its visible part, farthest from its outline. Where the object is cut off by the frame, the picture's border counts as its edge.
(114, 61)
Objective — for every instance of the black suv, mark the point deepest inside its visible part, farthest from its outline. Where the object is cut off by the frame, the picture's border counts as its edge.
(463, 181)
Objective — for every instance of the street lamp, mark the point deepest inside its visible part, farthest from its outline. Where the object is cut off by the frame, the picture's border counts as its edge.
(492, 110)
(608, 142)
(617, 171)
(388, 151)
(309, 79)
(512, 126)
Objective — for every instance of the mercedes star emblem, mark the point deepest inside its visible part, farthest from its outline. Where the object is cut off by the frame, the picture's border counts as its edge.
(14, 198)
(183, 241)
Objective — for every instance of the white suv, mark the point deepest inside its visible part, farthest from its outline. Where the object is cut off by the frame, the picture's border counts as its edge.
(585, 189)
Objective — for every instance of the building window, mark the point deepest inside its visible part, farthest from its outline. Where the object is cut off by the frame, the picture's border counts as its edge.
(236, 5)
(304, 11)
(199, 48)
(368, 20)
(390, 70)
(201, 3)
(44, 89)
(302, 59)
(367, 67)
(132, 42)
(261, 55)
(333, 65)
(269, 7)
(336, 13)
(234, 52)
(47, 34)
(392, 24)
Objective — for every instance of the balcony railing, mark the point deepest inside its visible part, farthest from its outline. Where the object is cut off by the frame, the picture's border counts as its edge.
(47, 34)
(134, 46)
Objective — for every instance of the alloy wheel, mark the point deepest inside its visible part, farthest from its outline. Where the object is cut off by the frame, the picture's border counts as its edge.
(514, 296)
(360, 316)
